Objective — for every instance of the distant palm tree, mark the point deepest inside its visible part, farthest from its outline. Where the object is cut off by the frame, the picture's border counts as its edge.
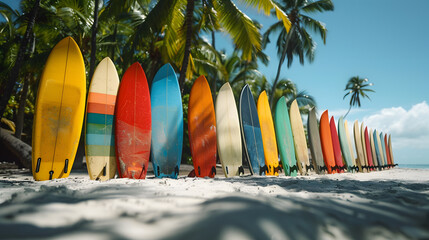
(357, 87)
(297, 41)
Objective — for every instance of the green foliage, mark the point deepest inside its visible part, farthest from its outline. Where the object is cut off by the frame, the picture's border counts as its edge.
(357, 87)
(152, 33)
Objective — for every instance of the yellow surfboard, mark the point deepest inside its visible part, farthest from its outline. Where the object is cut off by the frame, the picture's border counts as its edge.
(59, 112)
(268, 135)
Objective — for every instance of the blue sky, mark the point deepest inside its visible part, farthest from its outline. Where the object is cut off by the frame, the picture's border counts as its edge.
(385, 41)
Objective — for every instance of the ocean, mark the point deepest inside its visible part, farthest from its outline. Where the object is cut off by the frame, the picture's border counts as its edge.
(420, 166)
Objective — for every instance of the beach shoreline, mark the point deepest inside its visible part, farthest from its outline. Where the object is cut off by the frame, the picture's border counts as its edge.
(390, 204)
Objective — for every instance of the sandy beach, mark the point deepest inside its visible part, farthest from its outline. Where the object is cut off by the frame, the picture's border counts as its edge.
(391, 204)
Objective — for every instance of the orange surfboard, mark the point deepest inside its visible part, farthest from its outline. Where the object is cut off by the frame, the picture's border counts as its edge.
(326, 140)
(202, 129)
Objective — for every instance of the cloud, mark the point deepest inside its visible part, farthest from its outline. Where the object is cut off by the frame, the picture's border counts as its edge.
(409, 128)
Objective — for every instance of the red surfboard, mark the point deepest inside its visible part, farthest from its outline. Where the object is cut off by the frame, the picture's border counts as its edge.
(133, 127)
(326, 141)
(389, 161)
(368, 149)
(336, 145)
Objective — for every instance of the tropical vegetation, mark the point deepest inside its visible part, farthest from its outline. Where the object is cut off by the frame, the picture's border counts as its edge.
(357, 87)
(179, 32)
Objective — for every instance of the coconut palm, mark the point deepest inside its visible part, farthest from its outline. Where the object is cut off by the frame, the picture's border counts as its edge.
(21, 55)
(357, 87)
(288, 89)
(173, 20)
(298, 41)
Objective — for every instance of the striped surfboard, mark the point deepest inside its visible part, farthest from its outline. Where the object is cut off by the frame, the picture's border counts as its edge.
(99, 134)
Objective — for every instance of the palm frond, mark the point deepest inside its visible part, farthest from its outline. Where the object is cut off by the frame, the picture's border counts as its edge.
(244, 33)
(316, 26)
(319, 6)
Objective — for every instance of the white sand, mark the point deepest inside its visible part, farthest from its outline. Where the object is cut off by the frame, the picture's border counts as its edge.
(392, 204)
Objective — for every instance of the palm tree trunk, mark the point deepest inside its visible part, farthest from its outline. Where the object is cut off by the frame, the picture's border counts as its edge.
(214, 86)
(93, 40)
(112, 52)
(279, 68)
(188, 23)
(21, 109)
(348, 111)
(14, 74)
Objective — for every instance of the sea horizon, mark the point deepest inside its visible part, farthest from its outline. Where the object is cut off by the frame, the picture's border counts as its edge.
(418, 166)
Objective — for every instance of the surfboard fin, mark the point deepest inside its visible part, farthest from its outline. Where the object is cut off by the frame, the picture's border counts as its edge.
(309, 167)
(38, 165)
(263, 169)
(176, 170)
(199, 170)
(294, 168)
(66, 166)
(214, 171)
(240, 170)
(324, 168)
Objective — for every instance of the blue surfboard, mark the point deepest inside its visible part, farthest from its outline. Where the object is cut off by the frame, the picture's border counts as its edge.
(377, 150)
(167, 123)
(251, 132)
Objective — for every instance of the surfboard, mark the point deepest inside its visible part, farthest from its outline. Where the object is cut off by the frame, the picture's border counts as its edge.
(362, 135)
(326, 141)
(373, 152)
(133, 125)
(251, 132)
(383, 150)
(368, 149)
(336, 145)
(202, 128)
(349, 141)
(285, 138)
(358, 145)
(345, 145)
(390, 150)
(386, 149)
(167, 120)
(268, 135)
(99, 135)
(378, 150)
(300, 141)
(314, 142)
(59, 112)
(228, 132)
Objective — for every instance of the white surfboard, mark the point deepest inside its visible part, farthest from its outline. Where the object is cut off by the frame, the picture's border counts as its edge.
(228, 132)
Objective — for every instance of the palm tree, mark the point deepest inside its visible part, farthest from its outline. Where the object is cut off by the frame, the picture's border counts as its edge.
(173, 20)
(22, 53)
(287, 88)
(297, 41)
(357, 87)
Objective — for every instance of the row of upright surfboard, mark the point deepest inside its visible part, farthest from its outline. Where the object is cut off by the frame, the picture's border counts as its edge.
(126, 125)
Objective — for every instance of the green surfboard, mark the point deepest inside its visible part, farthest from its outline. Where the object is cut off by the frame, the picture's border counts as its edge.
(285, 138)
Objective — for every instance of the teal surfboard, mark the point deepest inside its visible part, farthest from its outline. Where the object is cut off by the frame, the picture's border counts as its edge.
(285, 138)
